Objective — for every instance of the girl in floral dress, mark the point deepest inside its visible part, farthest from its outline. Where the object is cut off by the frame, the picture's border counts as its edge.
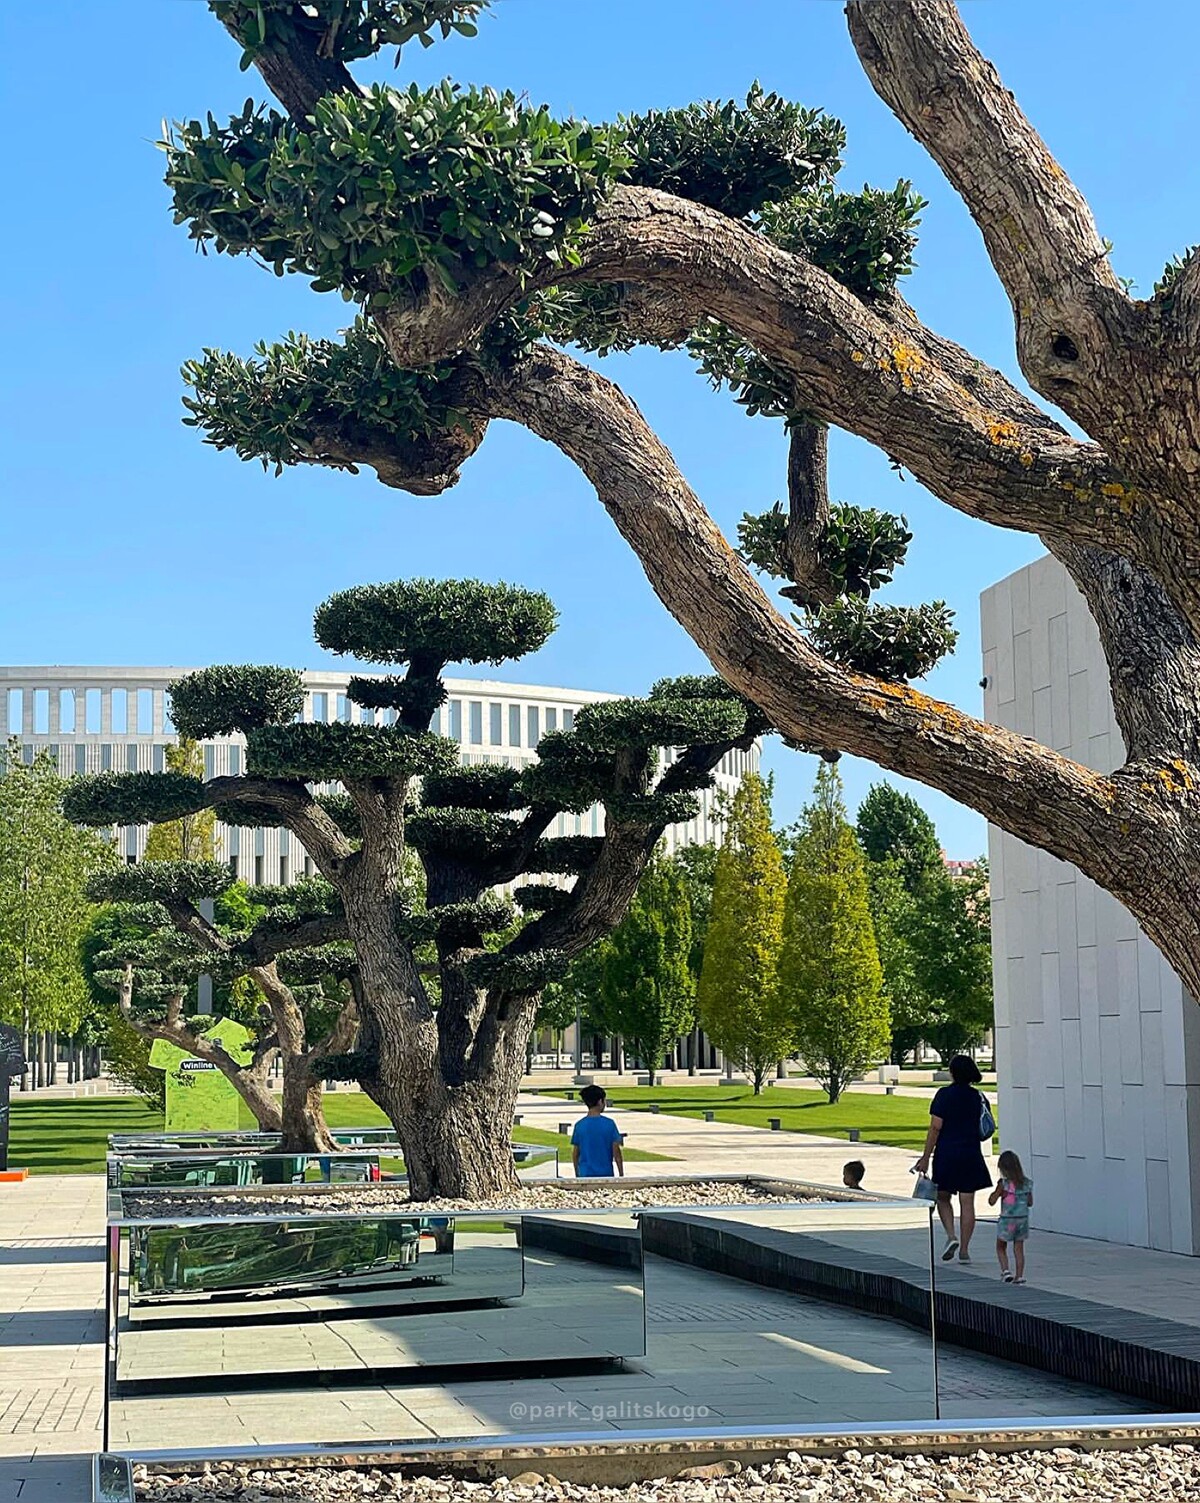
(1014, 1192)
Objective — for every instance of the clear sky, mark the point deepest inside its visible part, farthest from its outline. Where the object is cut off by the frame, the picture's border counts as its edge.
(128, 541)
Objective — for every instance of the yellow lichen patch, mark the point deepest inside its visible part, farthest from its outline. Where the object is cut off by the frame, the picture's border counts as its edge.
(1112, 489)
(906, 361)
(1176, 778)
(857, 356)
(1000, 430)
(1026, 457)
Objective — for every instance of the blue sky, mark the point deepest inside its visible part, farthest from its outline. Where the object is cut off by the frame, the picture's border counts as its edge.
(127, 540)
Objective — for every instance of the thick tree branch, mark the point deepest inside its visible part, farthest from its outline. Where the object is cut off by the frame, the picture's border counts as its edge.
(1008, 778)
(854, 366)
(270, 940)
(1074, 320)
(313, 826)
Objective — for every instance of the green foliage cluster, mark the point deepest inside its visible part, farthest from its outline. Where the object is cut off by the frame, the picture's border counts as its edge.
(737, 999)
(567, 775)
(490, 786)
(863, 240)
(736, 158)
(860, 550)
(125, 798)
(540, 897)
(127, 1058)
(469, 835)
(892, 826)
(379, 189)
(429, 622)
(894, 642)
(221, 700)
(829, 974)
(280, 406)
(46, 863)
(521, 972)
(567, 854)
(661, 721)
(161, 882)
(319, 752)
(649, 809)
(192, 836)
(343, 29)
(457, 924)
(933, 929)
(415, 698)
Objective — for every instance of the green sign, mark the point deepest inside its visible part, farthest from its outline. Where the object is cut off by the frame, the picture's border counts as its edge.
(199, 1098)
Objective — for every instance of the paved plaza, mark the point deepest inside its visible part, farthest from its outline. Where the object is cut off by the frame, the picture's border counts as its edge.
(720, 1351)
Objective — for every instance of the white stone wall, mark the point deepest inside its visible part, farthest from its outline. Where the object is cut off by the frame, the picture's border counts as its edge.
(1097, 1045)
(118, 719)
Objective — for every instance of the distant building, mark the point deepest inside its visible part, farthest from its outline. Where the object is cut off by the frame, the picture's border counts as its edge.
(118, 720)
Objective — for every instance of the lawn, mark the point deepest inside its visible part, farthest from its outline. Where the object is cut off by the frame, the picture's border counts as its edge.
(898, 1121)
(71, 1137)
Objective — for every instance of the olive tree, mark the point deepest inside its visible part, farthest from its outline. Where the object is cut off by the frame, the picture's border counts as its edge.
(446, 992)
(483, 238)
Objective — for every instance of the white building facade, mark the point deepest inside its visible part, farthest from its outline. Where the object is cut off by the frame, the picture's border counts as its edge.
(118, 720)
(1097, 1043)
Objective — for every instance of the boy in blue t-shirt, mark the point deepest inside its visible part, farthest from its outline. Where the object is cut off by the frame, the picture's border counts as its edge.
(596, 1142)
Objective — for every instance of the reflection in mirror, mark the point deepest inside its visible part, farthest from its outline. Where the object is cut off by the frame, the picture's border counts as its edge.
(543, 1322)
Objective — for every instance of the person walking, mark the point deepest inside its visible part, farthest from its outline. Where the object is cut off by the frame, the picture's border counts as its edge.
(1014, 1191)
(953, 1144)
(596, 1139)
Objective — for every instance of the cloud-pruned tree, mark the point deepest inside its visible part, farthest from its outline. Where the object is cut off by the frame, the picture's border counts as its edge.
(446, 991)
(476, 269)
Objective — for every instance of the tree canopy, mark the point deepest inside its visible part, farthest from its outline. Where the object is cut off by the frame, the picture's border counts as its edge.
(740, 1006)
(829, 975)
(482, 237)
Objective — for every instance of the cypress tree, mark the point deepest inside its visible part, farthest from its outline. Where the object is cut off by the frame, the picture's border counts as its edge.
(740, 1006)
(647, 985)
(829, 976)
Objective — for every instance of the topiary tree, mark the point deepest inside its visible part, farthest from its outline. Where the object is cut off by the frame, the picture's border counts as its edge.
(740, 1006)
(829, 974)
(441, 1044)
(724, 227)
(263, 949)
(137, 959)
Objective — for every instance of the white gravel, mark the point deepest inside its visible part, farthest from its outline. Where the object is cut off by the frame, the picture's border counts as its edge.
(1060, 1476)
(540, 1195)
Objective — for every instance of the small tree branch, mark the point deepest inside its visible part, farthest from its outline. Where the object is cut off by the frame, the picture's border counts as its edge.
(808, 514)
(270, 940)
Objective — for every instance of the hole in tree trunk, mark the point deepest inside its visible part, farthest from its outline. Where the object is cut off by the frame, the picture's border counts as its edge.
(1064, 347)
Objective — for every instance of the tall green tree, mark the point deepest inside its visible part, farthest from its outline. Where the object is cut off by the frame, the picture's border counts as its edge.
(740, 1006)
(193, 836)
(893, 911)
(646, 982)
(892, 826)
(829, 975)
(949, 937)
(697, 866)
(45, 864)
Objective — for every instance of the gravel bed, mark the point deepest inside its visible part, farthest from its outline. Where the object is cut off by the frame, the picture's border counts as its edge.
(1060, 1476)
(541, 1195)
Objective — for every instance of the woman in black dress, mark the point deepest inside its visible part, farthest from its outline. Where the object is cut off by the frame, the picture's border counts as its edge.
(954, 1144)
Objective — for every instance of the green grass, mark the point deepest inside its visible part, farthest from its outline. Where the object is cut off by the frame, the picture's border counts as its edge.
(71, 1137)
(898, 1121)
